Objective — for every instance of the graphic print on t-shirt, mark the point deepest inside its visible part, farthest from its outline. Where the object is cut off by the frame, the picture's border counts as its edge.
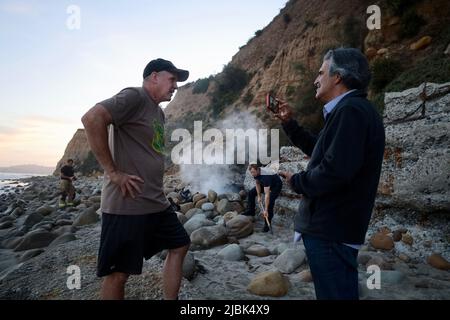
(158, 137)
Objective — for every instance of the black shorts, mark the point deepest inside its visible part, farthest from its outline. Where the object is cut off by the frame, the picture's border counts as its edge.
(127, 239)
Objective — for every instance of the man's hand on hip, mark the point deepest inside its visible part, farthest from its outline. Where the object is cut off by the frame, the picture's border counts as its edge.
(129, 184)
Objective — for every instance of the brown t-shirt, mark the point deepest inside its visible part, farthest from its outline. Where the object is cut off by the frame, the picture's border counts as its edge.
(136, 141)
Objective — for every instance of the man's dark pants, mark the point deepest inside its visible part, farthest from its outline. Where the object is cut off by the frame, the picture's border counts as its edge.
(333, 267)
(252, 204)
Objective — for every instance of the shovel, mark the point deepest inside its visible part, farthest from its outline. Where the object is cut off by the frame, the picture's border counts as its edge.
(267, 220)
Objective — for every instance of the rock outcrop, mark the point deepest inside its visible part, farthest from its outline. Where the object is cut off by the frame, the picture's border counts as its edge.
(416, 164)
(78, 149)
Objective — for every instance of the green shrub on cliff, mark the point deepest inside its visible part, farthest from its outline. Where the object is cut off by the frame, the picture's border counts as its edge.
(201, 86)
(230, 84)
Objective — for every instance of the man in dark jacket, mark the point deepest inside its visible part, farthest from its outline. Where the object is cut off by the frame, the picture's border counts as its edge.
(340, 183)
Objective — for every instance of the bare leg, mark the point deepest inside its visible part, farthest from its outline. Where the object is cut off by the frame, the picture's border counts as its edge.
(172, 272)
(113, 286)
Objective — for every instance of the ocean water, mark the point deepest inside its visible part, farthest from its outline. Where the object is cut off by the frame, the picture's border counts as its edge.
(14, 176)
(12, 179)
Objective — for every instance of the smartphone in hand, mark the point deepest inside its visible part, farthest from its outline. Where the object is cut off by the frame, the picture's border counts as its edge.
(272, 103)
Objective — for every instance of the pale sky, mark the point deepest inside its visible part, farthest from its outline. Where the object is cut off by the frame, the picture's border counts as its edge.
(52, 72)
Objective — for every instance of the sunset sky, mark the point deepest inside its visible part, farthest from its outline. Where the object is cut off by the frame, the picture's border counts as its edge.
(52, 72)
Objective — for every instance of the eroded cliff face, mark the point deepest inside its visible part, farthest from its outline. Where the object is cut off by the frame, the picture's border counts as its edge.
(78, 149)
(416, 164)
(286, 55)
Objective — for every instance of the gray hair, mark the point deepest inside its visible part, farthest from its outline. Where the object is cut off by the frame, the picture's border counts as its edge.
(146, 78)
(351, 65)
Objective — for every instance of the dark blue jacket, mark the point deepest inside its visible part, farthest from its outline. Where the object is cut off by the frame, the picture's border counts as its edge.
(340, 183)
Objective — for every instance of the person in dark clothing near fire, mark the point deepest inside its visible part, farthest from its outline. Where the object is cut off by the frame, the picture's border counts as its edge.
(66, 185)
(270, 185)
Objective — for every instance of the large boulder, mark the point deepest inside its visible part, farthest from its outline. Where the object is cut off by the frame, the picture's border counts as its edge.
(417, 158)
(207, 237)
(64, 229)
(382, 241)
(35, 239)
(229, 215)
(438, 262)
(236, 206)
(181, 217)
(212, 196)
(223, 206)
(88, 216)
(6, 218)
(232, 196)
(231, 252)
(67, 237)
(45, 210)
(289, 260)
(207, 206)
(197, 197)
(188, 265)
(6, 225)
(258, 250)
(27, 255)
(11, 243)
(270, 283)
(196, 222)
(192, 212)
(200, 202)
(32, 219)
(185, 207)
(240, 226)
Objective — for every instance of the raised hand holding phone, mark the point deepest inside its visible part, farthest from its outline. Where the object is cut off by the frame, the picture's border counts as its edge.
(272, 103)
(285, 112)
(278, 107)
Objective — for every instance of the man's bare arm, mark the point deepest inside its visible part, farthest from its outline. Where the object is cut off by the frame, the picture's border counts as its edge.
(258, 190)
(96, 122)
(267, 198)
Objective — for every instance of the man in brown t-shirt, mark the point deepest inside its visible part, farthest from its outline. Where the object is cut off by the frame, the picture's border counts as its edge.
(126, 134)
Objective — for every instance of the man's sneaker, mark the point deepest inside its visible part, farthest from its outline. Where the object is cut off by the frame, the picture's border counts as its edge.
(266, 228)
(62, 204)
(70, 204)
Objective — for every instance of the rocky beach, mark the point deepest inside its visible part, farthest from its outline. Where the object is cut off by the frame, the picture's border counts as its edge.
(230, 258)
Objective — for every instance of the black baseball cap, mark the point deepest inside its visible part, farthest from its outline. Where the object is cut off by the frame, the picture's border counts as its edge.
(158, 65)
